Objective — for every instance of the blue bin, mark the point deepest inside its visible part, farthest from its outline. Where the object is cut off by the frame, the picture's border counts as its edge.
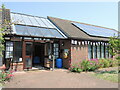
(36, 60)
(59, 63)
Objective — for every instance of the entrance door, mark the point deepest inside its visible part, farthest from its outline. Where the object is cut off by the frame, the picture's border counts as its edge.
(38, 55)
(28, 55)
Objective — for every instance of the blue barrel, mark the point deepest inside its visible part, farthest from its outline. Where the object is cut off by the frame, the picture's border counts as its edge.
(59, 63)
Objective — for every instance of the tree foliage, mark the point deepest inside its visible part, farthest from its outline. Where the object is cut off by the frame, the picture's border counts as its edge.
(1, 35)
(114, 46)
(4, 29)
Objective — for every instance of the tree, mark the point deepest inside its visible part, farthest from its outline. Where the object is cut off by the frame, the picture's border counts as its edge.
(1, 41)
(4, 29)
(114, 46)
(1, 35)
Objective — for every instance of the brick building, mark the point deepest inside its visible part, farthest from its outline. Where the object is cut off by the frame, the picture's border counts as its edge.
(33, 40)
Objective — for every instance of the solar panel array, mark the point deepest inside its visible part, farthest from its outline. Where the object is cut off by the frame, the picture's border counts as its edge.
(37, 31)
(34, 26)
(24, 19)
(96, 31)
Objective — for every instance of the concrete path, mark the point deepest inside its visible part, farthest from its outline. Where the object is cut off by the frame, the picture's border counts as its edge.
(57, 79)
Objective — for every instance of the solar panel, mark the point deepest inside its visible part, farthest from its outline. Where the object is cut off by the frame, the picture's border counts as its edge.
(31, 20)
(37, 31)
(96, 31)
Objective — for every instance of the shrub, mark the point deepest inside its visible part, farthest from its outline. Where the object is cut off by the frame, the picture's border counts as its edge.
(110, 62)
(114, 63)
(101, 63)
(85, 65)
(76, 68)
(93, 64)
(5, 76)
(106, 63)
(89, 65)
(118, 58)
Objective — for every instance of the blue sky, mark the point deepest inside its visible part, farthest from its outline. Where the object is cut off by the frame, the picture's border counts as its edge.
(97, 13)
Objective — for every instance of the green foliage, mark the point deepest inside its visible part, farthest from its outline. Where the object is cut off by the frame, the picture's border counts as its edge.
(114, 63)
(85, 65)
(118, 58)
(114, 46)
(1, 41)
(106, 63)
(5, 76)
(75, 68)
(4, 29)
(3, 6)
(110, 62)
(92, 65)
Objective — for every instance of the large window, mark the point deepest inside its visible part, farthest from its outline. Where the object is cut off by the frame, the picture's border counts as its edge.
(98, 51)
(17, 51)
(9, 49)
(56, 50)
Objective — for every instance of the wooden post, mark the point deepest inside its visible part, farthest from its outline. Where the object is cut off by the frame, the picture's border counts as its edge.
(53, 64)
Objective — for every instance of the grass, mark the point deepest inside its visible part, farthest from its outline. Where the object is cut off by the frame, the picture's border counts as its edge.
(108, 75)
(1, 84)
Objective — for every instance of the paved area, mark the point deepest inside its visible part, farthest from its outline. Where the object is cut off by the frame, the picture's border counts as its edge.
(57, 79)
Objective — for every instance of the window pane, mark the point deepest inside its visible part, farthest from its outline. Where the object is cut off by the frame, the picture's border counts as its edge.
(17, 51)
(28, 62)
(28, 49)
(89, 52)
(106, 52)
(56, 50)
(102, 51)
(9, 50)
(98, 51)
(94, 52)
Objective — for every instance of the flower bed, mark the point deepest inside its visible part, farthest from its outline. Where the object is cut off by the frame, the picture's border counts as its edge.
(5, 76)
(93, 64)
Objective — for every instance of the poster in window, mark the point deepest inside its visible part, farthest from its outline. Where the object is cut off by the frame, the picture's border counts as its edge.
(66, 53)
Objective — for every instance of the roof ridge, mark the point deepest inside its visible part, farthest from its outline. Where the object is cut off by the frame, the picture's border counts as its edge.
(86, 23)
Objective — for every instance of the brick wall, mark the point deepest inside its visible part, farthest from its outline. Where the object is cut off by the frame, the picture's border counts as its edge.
(78, 53)
(66, 61)
(17, 66)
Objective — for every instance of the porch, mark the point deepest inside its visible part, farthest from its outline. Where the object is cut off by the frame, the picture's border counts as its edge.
(28, 53)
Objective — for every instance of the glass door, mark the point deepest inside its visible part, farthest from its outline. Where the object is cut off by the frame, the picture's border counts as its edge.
(28, 55)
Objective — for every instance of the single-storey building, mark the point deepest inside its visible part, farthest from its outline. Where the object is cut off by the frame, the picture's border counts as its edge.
(33, 40)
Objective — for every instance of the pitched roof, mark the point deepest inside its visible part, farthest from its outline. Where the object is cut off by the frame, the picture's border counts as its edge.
(28, 25)
(73, 32)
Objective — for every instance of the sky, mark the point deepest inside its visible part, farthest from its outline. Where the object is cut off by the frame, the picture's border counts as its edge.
(97, 13)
